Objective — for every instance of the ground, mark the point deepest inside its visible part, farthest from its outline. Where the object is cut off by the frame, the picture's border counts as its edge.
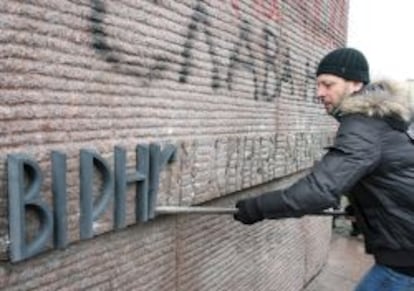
(346, 264)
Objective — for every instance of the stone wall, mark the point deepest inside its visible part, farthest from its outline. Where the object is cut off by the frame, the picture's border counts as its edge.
(229, 83)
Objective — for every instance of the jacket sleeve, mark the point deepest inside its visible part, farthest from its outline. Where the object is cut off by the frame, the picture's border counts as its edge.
(356, 152)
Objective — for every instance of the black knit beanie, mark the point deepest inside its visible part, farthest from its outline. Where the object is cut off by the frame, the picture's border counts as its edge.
(347, 63)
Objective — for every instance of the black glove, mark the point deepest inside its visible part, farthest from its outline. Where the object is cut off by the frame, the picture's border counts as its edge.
(349, 210)
(248, 211)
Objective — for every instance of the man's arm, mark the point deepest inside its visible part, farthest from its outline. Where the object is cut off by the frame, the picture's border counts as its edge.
(355, 153)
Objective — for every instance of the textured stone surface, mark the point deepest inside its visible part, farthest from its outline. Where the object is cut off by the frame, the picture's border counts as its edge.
(230, 83)
(346, 264)
(186, 252)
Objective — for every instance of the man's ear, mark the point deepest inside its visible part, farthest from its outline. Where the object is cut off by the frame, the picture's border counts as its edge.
(356, 86)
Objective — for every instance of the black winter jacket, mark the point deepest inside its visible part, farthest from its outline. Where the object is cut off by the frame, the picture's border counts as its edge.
(373, 159)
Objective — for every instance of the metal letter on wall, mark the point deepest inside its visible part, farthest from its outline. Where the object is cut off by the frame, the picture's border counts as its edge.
(24, 183)
(158, 160)
(141, 192)
(24, 193)
(59, 199)
(150, 160)
(122, 179)
(92, 210)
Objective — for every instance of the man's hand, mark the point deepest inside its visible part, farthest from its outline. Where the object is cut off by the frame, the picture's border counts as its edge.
(248, 211)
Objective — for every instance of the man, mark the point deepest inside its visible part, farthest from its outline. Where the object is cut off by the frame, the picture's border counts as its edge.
(372, 158)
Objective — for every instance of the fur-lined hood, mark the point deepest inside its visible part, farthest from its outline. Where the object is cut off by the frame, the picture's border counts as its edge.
(381, 99)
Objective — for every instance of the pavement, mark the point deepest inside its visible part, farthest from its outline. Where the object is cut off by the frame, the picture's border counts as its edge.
(346, 264)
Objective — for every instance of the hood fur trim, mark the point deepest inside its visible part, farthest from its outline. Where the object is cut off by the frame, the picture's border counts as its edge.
(381, 99)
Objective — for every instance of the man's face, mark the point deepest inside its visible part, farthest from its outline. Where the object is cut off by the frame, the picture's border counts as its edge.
(332, 90)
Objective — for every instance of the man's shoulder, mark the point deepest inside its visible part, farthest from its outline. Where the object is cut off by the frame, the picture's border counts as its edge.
(361, 124)
(361, 120)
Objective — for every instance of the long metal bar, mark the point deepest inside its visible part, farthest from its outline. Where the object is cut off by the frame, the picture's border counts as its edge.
(224, 210)
(195, 210)
(329, 213)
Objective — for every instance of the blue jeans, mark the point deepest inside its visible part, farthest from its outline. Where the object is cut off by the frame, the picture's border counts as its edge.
(380, 278)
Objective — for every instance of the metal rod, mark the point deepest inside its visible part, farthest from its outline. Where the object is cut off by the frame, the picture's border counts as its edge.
(329, 213)
(224, 210)
(194, 210)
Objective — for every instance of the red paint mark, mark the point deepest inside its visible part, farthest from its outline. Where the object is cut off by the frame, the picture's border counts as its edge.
(236, 7)
(317, 10)
(270, 9)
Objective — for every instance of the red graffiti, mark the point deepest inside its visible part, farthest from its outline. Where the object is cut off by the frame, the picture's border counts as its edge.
(236, 7)
(337, 18)
(319, 12)
(270, 9)
(329, 16)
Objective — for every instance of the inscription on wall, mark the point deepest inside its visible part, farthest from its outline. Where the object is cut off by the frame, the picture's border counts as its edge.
(276, 53)
(25, 180)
